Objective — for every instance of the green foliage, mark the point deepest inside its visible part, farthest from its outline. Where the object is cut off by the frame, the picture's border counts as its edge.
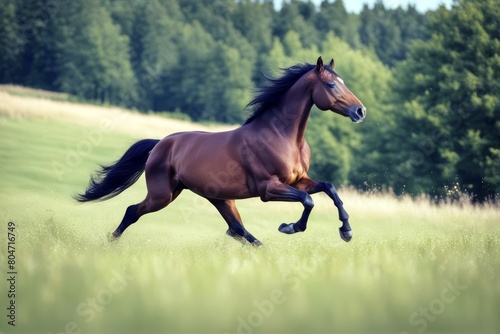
(254, 21)
(297, 16)
(449, 126)
(213, 83)
(333, 17)
(137, 53)
(391, 32)
(429, 81)
(11, 42)
(155, 52)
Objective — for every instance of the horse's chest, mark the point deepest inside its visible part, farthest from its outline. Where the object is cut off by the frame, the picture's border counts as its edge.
(293, 168)
(280, 158)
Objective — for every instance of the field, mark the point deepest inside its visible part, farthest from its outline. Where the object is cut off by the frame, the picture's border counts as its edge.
(412, 267)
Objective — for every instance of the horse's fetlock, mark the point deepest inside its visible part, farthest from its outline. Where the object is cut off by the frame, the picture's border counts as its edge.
(308, 203)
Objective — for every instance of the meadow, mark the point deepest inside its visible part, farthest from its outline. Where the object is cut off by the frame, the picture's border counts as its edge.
(412, 266)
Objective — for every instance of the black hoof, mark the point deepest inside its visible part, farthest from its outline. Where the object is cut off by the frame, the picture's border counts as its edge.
(113, 236)
(235, 235)
(345, 235)
(257, 243)
(242, 239)
(286, 228)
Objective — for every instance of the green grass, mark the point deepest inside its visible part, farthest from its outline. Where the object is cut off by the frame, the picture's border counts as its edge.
(175, 271)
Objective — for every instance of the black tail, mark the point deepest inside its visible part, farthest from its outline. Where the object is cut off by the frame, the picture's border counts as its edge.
(111, 180)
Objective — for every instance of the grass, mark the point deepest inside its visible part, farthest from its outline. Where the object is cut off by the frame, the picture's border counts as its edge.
(412, 267)
(37, 93)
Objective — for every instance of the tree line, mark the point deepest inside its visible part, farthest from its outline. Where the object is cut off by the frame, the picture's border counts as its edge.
(429, 80)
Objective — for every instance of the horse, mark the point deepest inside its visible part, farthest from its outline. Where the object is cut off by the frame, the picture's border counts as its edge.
(266, 157)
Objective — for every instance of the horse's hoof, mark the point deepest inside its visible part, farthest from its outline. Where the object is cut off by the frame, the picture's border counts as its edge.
(112, 237)
(257, 243)
(286, 228)
(235, 235)
(345, 235)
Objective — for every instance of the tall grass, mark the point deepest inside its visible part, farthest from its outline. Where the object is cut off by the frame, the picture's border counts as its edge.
(412, 267)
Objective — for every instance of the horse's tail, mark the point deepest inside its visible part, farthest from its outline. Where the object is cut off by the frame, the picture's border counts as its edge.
(111, 180)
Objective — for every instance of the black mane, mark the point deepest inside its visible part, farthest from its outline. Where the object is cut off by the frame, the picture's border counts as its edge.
(270, 93)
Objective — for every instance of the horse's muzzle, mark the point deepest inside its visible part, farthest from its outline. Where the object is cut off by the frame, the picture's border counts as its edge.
(357, 114)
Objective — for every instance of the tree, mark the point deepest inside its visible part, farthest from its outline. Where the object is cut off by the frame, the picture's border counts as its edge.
(275, 59)
(297, 16)
(94, 58)
(154, 54)
(36, 65)
(187, 88)
(11, 42)
(212, 81)
(254, 21)
(449, 125)
(75, 48)
(390, 32)
(333, 16)
(213, 15)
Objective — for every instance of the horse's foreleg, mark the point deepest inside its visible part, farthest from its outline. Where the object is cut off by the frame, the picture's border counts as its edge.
(228, 210)
(312, 187)
(286, 193)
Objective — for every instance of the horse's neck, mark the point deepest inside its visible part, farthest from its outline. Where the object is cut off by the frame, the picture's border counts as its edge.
(292, 114)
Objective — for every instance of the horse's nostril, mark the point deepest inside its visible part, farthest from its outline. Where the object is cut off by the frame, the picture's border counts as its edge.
(360, 112)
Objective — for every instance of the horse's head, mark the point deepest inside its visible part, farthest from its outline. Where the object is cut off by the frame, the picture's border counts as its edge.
(330, 93)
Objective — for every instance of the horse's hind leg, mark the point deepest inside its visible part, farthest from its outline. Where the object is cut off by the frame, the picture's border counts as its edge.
(131, 216)
(136, 211)
(161, 192)
(228, 210)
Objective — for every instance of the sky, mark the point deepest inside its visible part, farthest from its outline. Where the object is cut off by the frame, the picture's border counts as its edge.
(357, 5)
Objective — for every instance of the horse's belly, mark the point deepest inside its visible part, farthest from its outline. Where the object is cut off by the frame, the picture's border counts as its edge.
(211, 170)
(215, 183)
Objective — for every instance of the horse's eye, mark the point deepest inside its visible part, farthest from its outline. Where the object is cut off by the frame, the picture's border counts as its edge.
(331, 84)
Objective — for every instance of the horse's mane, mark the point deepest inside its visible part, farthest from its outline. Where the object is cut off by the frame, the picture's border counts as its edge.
(270, 93)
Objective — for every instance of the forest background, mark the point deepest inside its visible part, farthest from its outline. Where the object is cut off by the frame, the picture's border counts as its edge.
(430, 81)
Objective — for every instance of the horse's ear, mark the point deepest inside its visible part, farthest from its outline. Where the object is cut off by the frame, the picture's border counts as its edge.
(319, 65)
(332, 64)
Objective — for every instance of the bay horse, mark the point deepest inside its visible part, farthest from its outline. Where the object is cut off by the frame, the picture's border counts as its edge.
(266, 157)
